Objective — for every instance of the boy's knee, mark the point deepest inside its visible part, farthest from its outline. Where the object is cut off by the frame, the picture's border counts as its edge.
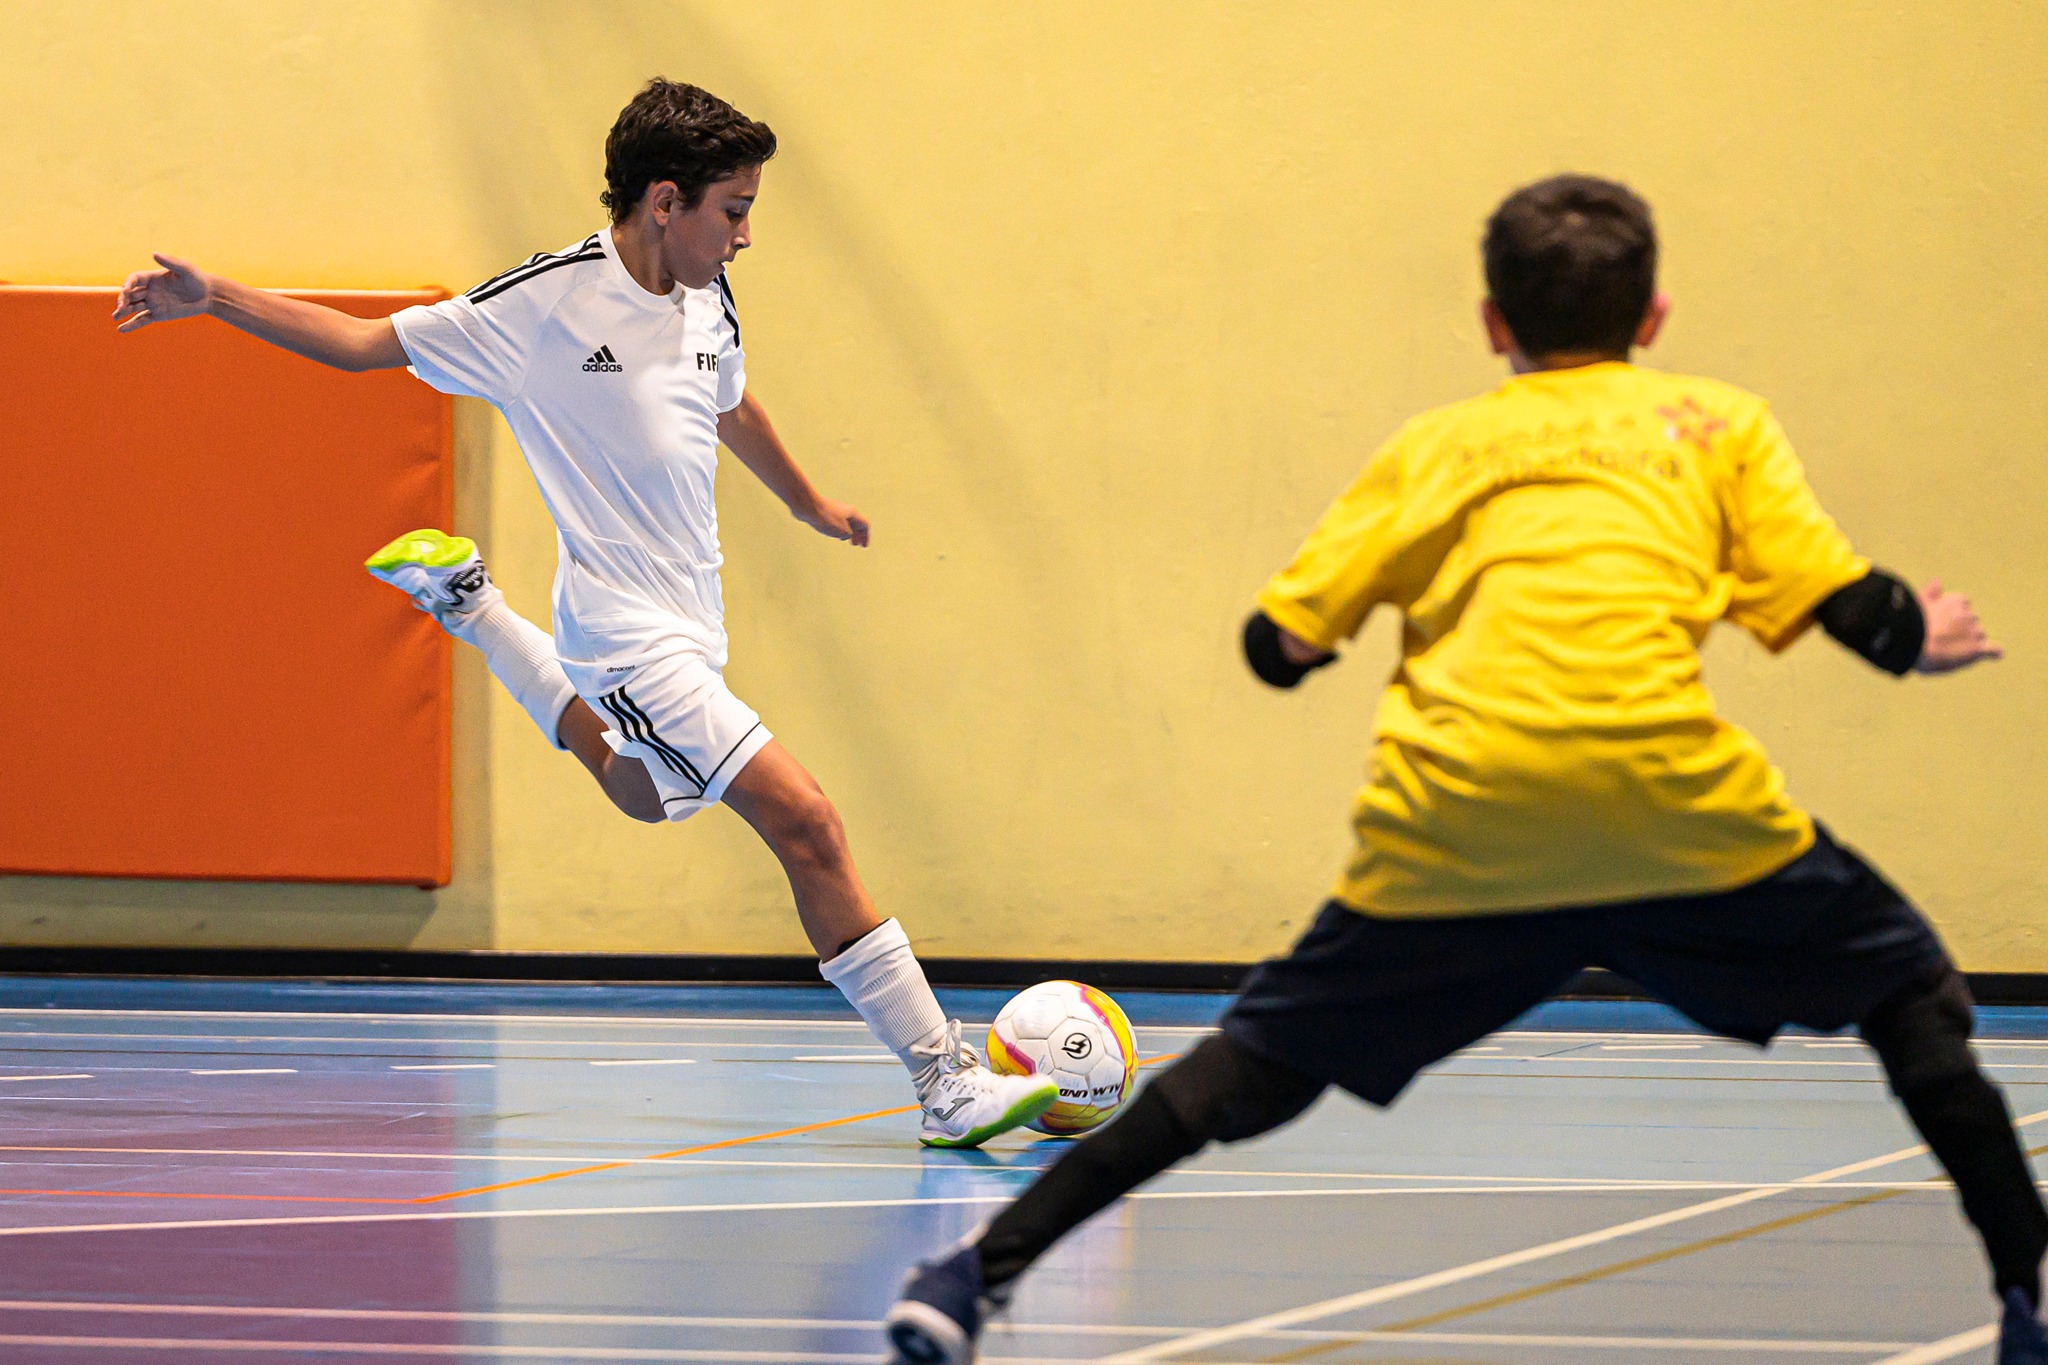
(1223, 1092)
(807, 827)
(1922, 1035)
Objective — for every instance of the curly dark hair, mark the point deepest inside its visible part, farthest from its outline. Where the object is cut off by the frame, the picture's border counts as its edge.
(1571, 263)
(679, 133)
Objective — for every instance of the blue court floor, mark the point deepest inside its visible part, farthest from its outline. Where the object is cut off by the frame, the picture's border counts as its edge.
(291, 1171)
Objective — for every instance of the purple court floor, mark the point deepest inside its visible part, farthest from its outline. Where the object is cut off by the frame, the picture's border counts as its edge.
(259, 1172)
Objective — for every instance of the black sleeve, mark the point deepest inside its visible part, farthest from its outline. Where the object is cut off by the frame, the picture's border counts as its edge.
(1262, 651)
(1878, 617)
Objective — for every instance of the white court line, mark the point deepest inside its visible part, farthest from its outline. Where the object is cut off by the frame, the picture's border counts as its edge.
(1368, 1298)
(871, 1324)
(1175, 1030)
(1582, 1059)
(1746, 1194)
(447, 1066)
(614, 1021)
(478, 1215)
(363, 1040)
(1653, 1047)
(650, 1061)
(358, 1348)
(67, 1076)
(1745, 1345)
(483, 1017)
(1946, 1349)
(1473, 1055)
(248, 1071)
(207, 1310)
(580, 1159)
(394, 1348)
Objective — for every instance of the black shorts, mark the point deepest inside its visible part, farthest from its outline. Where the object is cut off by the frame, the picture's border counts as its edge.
(1365, 1003)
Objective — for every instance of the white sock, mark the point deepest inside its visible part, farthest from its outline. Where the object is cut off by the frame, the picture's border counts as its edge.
(880, 978)
(522, 656)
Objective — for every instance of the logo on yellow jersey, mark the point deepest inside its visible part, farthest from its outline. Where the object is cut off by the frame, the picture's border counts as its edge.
(1689, 422)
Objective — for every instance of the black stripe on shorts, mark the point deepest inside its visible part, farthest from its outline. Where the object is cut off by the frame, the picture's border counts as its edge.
(636, 726)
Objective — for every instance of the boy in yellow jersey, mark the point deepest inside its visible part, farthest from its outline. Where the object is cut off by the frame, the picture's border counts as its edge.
(1549, 786)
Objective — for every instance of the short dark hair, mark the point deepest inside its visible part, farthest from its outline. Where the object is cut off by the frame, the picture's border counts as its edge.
(678, 132)
(1571, 263)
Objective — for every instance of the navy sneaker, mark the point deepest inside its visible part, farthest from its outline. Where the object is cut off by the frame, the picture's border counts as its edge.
(2021, 1338)
(940, 1314)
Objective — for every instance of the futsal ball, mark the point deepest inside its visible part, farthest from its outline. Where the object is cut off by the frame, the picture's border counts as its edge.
(1076, 1035)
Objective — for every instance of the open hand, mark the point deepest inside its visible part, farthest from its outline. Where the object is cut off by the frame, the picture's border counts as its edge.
(176, 291)
(838, 520)
(1955, 637)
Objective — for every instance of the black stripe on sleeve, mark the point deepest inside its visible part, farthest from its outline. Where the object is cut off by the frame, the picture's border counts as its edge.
(518, 275)
(732, 312)
(540, 258)
(534, 259)
(481, 295)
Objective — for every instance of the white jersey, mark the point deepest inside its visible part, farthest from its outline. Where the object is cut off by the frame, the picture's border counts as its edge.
(614, 395)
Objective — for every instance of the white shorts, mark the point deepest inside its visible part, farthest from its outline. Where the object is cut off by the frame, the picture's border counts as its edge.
(676, 715)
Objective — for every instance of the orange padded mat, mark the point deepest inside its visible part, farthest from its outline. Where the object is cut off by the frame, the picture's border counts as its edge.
(197, 679)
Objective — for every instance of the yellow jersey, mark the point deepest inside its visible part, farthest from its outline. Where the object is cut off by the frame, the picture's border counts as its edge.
(1558, 548)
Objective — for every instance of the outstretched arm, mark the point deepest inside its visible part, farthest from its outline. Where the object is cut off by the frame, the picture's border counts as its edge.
(328, 335)
(1883, 620)
(747, 434)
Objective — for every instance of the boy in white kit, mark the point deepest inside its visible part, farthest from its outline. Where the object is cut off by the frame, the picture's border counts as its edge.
(617, 364)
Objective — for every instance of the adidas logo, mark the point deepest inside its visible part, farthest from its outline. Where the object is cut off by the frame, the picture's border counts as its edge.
(603, 360)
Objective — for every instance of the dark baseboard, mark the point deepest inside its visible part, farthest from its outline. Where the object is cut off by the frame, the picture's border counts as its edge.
(1990, 988)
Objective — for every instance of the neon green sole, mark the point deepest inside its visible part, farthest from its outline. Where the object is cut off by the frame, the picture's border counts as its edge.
(1016, 1116)
(434, 549)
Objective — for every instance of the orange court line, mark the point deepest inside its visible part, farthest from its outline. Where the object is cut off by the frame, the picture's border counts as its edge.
(665, 1156)
(259, 1198)
(490, 1189)
(694, 1151)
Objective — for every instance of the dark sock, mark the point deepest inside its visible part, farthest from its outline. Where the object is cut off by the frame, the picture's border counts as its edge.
(1132, 1148)
(1923, 1038)
(1966, 1122)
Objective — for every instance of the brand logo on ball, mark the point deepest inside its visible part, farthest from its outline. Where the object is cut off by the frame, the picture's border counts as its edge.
(1077, 1045)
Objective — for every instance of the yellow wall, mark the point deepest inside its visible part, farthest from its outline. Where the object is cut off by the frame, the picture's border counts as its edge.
(1091, 308)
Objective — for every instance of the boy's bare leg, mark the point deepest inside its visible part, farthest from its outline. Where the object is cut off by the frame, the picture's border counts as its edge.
(870, 960)
(624, 780)
(783, 802)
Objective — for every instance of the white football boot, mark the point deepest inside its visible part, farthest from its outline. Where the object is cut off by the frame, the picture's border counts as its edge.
(966, 1104)
(442, 574)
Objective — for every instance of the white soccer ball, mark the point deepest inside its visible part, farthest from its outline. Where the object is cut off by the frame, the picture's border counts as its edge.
(1076, 1035)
